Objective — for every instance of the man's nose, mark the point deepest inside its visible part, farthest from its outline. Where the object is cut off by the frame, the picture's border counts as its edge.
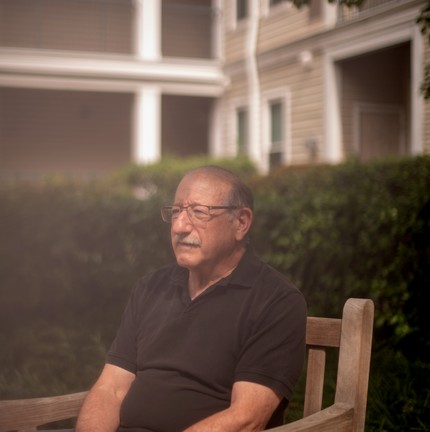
(182, 222)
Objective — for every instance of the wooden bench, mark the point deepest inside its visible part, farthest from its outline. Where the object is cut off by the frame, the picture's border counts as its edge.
(352, 335)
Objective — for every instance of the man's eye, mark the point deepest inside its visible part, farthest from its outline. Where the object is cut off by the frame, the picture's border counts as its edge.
(200, 211)
(175, 212)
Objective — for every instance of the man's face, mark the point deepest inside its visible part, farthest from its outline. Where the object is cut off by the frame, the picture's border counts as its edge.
(204, 246)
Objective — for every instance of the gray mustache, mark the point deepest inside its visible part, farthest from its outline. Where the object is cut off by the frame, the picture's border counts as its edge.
(180, 238)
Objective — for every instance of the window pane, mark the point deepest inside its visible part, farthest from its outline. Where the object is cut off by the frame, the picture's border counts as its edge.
(242, 130)
(276, 151)
(276, 135)
(241, 9)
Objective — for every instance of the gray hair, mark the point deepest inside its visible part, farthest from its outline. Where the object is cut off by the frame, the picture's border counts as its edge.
(240, 194)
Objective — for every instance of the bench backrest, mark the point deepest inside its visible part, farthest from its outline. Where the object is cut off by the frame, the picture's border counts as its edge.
(353, 336)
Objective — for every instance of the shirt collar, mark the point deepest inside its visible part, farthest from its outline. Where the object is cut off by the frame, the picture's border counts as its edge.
(244, 274)
(246, 271)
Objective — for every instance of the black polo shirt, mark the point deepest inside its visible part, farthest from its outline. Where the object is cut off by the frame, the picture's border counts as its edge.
(187, 354)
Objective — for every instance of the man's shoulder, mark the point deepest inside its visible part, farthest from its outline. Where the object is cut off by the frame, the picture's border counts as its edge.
(265, 279)
(164, 276)
(269, 274)
(278, 284)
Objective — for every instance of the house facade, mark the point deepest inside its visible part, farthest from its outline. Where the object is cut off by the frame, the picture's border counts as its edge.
(87, 86)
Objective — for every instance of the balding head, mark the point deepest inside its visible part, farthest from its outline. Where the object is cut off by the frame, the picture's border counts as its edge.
(240, 195)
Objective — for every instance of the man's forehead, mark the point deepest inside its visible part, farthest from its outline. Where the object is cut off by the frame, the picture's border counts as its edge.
(201, 183)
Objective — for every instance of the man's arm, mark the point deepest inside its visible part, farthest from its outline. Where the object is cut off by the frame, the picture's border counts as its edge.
(100, 411)
(251, 407)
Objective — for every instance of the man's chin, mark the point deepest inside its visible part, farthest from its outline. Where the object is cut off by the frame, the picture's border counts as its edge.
(185, 261)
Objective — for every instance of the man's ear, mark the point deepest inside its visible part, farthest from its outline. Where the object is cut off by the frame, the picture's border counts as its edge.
(243, 222)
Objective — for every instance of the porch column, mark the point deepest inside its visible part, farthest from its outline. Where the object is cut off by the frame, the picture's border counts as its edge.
(146, 122)
(147, 125)
(147, 29)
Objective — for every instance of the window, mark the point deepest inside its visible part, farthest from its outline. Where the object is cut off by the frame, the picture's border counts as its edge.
(241, 9)
(276, 116)
(276, 131)
(242, 131)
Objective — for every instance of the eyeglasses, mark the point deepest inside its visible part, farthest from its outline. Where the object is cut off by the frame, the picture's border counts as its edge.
(196, 212)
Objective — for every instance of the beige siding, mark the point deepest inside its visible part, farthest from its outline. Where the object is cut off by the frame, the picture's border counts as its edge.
(235, 46)
(280, 26)
(234, 37)
(187, 28)
(305, 89)
(285, 25)
(306, 117)
(237, 91)
(238, 87)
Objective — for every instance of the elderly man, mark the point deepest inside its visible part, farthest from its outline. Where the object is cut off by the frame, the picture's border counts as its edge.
(214, 342)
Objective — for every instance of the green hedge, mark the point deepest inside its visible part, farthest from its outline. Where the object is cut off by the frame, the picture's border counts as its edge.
(69, 255)
(70, 252)
(349, 230)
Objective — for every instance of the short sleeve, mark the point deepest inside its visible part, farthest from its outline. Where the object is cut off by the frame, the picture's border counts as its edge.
(123, 351)
(274, 353)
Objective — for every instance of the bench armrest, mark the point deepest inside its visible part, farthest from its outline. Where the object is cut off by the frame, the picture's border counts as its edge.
(337, 417)
(27, 413)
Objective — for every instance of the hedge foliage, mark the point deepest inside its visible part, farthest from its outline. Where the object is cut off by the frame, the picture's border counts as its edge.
(70, 252)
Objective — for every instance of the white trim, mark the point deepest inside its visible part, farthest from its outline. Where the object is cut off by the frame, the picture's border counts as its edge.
(106, 85)
(329, 13)
(253, 81)
(59, 64)
(146, 127)
(417, 100)
(288, 133)
(333, 150)
(362, 36)
(370, 43)
(147, 29)
(217, 30)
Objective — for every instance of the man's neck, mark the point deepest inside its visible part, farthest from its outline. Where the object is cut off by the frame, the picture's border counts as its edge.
(198, 282)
